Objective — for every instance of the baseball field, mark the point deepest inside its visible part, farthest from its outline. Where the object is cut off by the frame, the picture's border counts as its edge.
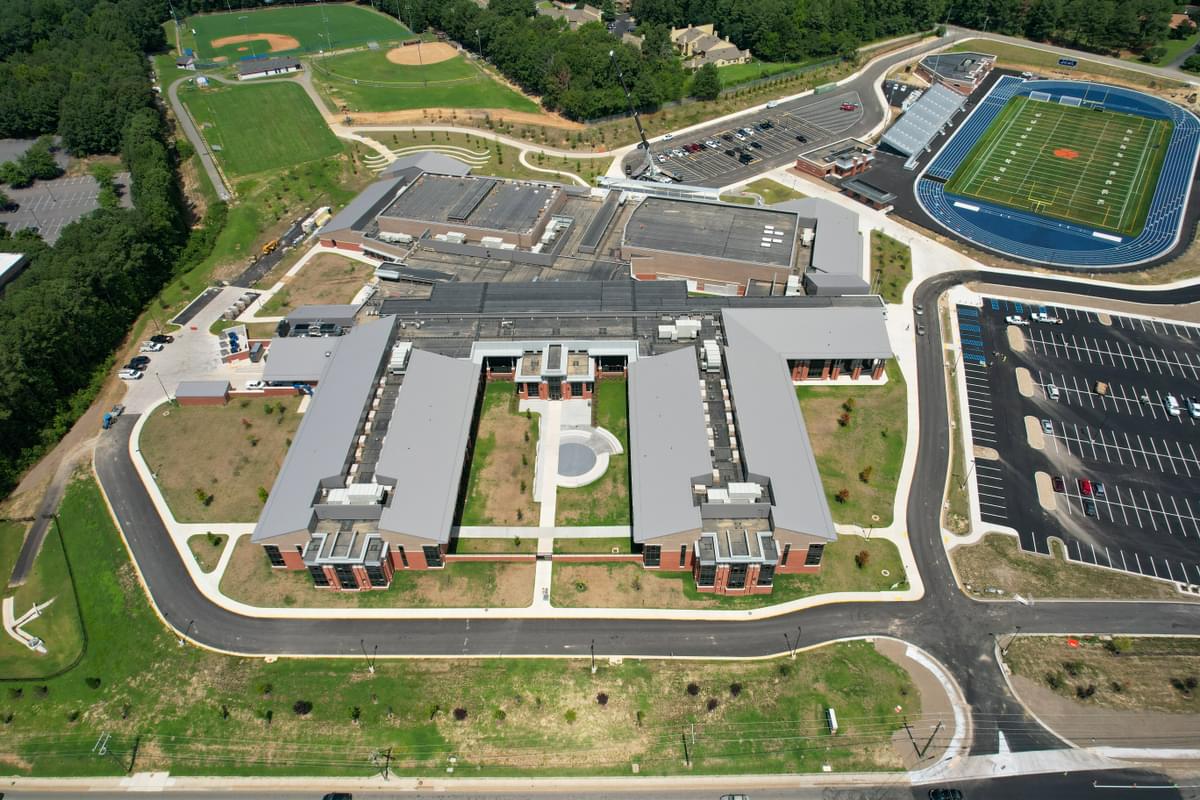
(258, 32)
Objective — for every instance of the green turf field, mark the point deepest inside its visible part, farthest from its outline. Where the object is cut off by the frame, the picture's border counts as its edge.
(1089, 167)
(257, 128)
(367, 81)
(346, 25)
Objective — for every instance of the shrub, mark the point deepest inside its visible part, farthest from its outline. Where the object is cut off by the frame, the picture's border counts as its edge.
(602, 699)
(262, 494)
(224, 712)
(861, 558)
(848, 406)
(499, 714)
(784, 670)
(580, 587)
(265, 688)
(712, 704)
(460, 714)
(570, 716)
(1116, 686)
(8, 718)
(302, 708)
(213, 539)
(15, 693)
(72, 716)
(842, 496)
(42, 690)
(1054, 680)
(92, 682)
(641, 717)
(865, 474)
(1085, 692)
(355, 714)
(1073, 668)
(693, 689)
(843, 420)
(735, 689)
(268, 408)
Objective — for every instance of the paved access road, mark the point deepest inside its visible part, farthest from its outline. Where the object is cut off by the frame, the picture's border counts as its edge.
(955, 629)
(193, 135)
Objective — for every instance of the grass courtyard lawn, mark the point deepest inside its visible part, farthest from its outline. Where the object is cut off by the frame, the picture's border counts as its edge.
(628, 585)
(872, 438)
(269, 126)
(516, 709)
(207, 450)
(346, 25)
(501, 161)
(605, 545)
(516, 544)
(58, 626)
(1173, 47)
(327, 278)
(1016, 56)
(605, 502)
(500, 488)
(1067, 162)
(454, 83)
(997, 562)
(733, 74)
(891, 266)
(740, 199)
(1124, 673)
(207, 549)
(250, 579)
(772, 192)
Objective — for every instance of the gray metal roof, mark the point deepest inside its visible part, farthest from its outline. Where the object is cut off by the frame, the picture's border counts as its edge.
(255, 65)
(714, 230)
(321, 447)
(837, 246)
(957, 66)
(428, 161)
(299, 359)
(824, 284)
(341, 313)
(868, 190)
(669, 443)
(202, 388)
(367, 204)
(854, 332)
(426, 445)
(771, 430)
(475, 202)
(924, 120)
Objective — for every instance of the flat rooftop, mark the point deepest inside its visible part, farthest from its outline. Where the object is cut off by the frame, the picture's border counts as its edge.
(957, 66)
(489, 203)
(716, 230)
(837, 151)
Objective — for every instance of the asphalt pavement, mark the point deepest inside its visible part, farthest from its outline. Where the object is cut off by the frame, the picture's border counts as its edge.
(193, 135)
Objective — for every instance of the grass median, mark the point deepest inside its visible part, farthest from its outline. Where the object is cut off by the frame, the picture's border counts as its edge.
(891, 266)
(195, 712)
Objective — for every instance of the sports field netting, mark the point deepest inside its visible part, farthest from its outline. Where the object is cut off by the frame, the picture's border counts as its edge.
(1090, 167)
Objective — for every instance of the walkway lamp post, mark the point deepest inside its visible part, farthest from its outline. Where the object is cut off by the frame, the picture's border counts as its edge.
(362, 643)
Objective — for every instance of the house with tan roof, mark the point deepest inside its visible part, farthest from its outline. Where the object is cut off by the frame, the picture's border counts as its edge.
(700, 45)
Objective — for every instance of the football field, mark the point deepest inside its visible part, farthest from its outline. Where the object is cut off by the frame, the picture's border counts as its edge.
(1075, 163)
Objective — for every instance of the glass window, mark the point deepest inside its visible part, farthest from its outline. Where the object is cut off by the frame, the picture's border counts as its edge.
(403, 556)
(652, 555)
(813, 557)
(376, 576)
(682, 555)
(737, 577)
(707, 575)
(273, 555)
(433, 556)
(787, 549)
(766, 575)
(345, 576)
(318, 575)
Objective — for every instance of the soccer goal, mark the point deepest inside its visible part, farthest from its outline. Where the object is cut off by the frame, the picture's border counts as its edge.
(1070, 101)
(1042, 96)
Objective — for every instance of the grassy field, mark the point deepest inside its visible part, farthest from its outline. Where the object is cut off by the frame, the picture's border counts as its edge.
(315, 27)
(326, 278)
(733, 74)
(1173, 47)
(1012, 55)
(1159, 674)
(997, 562)
(517, 544)
(271, 126)
(600, 545)
(207, 549)
(772, 192)
(891, 266)
(58, 625)
(500, 488)
(605, 502)
(367, 81)
(873, 437)
(250, 579)
(628, 585)
(498, 160)
(1067, 162)
(199, 712)
(211, 461)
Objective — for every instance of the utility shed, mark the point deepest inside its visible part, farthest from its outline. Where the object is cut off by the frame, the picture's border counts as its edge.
(425, 449)
(299, 359)
(670, 444)
(202, 393)
(836, 266)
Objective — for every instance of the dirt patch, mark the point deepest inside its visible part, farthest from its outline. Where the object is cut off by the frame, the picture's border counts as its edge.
(1016, 339)
(326, 278)
(935, 706)
(1045, 491)
(986, 453)
(426, 116)
(1034, 434)
(502, 470)
(277, 42)
(1024, 382)
(418, 54)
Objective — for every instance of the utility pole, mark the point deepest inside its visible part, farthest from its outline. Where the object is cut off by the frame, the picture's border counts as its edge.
(908, 730)
(162, 385)
(362, 643)
(687, 756)
(387, 762)
(1013, 638)
(925, 749)
(593, 656)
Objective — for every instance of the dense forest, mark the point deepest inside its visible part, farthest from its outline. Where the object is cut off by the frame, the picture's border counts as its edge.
(76, 68)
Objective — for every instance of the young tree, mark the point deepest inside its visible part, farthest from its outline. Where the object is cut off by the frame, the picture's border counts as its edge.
(608, 11)
(706, 83)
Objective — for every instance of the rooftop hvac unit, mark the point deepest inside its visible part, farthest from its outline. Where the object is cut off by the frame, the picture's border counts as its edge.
(688, 328)
(537, 248)
(806, 236)
(507, 246)
(439, 237)
(716, 476)
(743, 492)
(456, 237)
(365, 493)
(793, 286)
(699, 488)
(394, 238)
(491, 241)
(667, 333)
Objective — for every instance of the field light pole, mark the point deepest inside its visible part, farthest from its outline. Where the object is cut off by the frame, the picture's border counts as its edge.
(243, 19)
(970, 469)
(479, 42)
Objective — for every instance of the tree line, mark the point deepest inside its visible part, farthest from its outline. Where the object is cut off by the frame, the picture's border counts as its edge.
(62, 319)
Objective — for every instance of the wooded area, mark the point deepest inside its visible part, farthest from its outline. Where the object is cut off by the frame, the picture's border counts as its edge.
(76, 68)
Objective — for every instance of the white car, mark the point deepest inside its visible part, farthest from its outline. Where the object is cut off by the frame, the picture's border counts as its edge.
(1016, 319)
(150, 347)
(712, 143)
(130, 374)
(1051, 391)
(772, 103)
(1172, 405)
(666, 137)
(1045, 318)
(741, 137)
(1193, 405)
(256, 384)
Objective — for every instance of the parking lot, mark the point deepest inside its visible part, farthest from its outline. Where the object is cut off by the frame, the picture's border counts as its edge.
(733, 155)
(49, 206)
(1083, 432)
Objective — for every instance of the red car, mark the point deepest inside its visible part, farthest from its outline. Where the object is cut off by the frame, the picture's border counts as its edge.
(1085, 487)
(848, 106)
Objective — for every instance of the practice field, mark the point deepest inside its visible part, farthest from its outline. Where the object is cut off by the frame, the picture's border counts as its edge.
(315, 27)
(261, 127)
(372, 80)
(1089, 167)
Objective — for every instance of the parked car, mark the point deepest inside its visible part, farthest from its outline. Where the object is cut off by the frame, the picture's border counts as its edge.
(849, 106)
(920, 330)
(1047, 427)
(1098, 490)
(945, 794)
(150, 347)
(712, 144)
(746, 158)
(162, 338)
(735, 797)
(1172, 405)
(1085, 487)
(1089, 507)
(801, 138)
(727, 137)
(756, 145)
(256, 384)
(731, 153)
(662, 159)
(1016, 319)
(772, 103)
(338, 796)
(1193, 405)
(1060, 485)
(138, 362)
(1048, 319)
(766, 124)
(130, 375)
(1051, 391)
(748, 131)
(919, 310)
(741, 137)
(666, 137)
